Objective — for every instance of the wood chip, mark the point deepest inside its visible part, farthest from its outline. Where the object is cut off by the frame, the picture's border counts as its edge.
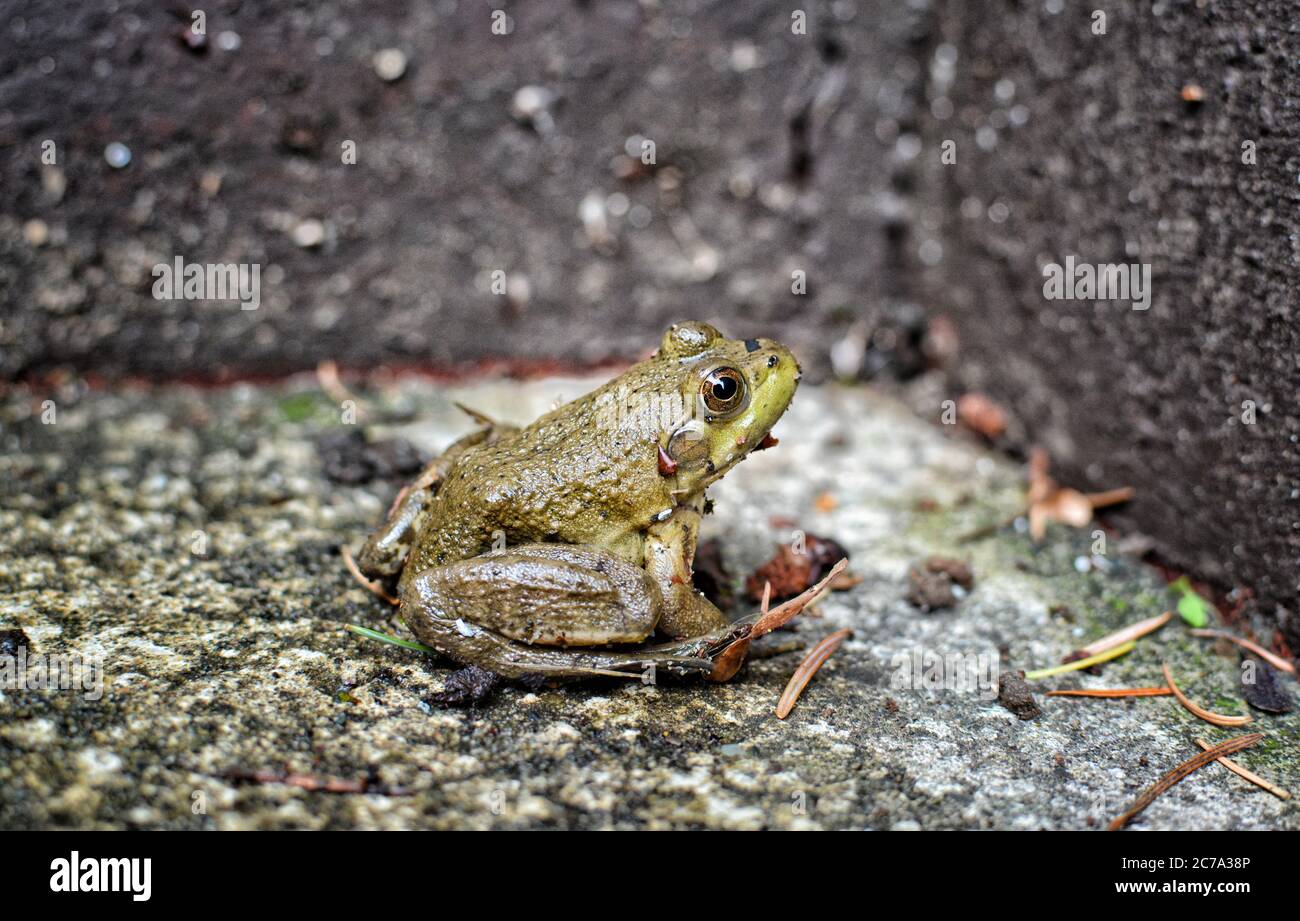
(1218, 719)
(1149, 796)
(807, 668)
(1242, 772)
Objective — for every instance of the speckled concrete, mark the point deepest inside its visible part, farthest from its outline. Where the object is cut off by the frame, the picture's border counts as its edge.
(187, 541)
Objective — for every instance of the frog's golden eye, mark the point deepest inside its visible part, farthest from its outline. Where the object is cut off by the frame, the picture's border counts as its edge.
(723, 391)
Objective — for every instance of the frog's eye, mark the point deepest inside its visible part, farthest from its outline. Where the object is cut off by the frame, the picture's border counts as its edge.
(723, 391)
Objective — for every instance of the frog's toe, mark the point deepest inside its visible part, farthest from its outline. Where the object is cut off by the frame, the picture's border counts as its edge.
(468, 687)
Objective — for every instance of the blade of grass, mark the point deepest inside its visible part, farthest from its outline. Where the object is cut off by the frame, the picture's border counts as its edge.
(386, 638)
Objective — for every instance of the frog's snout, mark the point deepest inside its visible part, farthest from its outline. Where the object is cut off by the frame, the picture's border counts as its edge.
(775, 363)
(775, 373)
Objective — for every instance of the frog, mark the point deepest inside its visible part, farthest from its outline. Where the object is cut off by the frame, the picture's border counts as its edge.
(564, 548)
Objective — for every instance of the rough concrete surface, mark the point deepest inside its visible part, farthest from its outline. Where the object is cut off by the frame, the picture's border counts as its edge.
(187, 540)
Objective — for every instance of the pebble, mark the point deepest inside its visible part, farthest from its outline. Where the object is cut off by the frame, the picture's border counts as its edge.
(36, 231)
(390, 64)
(309, 233)
(117, 154)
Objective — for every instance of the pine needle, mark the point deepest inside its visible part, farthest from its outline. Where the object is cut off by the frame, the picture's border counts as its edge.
(1153, 792)
(1217, 719)
(1242, 772)
(373, 587)
(1113, 692)
(816, 657)
(1082, 663)
(1131, 632)
(1271, 657)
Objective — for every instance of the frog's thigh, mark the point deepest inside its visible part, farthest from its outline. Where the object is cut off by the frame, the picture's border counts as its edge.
(542, 594)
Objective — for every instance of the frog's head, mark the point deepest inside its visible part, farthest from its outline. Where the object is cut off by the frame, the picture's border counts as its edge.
(733, 391)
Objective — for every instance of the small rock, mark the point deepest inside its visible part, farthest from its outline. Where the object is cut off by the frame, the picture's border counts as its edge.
(390, 64)
(531, 106)
(309, 234)
(347, 456)
(36, 231)
(1014, 694)
(118, 155)
(12, 640)
(194, 41)
(1263, 687)
(956, 570)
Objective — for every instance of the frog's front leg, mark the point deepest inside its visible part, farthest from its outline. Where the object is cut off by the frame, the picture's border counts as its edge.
(518, 611)
(669, 556)
(385, 551)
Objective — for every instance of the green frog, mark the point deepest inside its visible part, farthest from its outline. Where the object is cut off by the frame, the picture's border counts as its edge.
(559, 549)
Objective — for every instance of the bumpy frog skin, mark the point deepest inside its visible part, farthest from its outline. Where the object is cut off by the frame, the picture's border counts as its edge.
(543, 550)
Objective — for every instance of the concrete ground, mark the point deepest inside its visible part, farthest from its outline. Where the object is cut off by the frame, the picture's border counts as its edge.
(186, 541)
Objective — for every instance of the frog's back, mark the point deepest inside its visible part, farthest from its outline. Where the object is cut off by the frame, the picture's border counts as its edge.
(570, 477)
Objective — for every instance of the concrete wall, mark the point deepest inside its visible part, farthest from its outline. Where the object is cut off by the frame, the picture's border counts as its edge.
(1107, 161)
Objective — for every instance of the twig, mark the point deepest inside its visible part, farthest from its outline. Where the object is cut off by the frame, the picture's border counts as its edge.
(373, 587)
(1109, 497)
(1082, 663)
(1113, 692)
(1218, 719)
(1235, 744)
(1131, 632)
(1271, 657)
(327, 375)
(807, 668)
(1248, 775)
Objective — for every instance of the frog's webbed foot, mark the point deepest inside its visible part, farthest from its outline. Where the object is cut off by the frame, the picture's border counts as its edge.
(468, 687)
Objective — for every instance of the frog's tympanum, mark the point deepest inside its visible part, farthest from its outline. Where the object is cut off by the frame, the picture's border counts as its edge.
(561, 549)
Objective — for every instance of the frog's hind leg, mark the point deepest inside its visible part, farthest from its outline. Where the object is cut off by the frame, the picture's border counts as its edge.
(385, 551)
(520, 611)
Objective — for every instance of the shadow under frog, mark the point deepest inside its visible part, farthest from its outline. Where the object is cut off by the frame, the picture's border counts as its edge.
(599, 502)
